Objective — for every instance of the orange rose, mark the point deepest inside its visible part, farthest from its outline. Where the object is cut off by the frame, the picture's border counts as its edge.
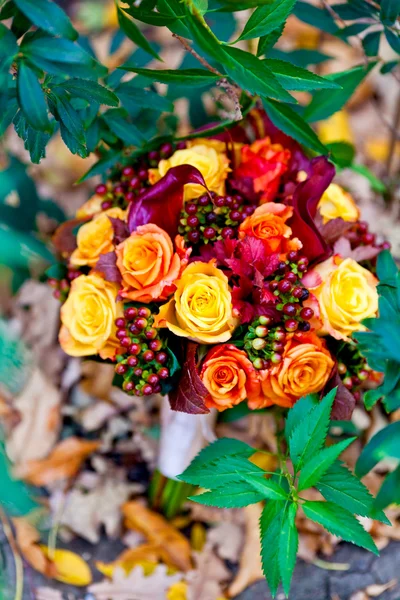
(229, 377)
(268, 223)
(305, 368)
(264, 163)
(148, 264)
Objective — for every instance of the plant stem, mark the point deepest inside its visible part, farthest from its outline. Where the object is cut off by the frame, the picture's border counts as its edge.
(193, 52)
(393, 137)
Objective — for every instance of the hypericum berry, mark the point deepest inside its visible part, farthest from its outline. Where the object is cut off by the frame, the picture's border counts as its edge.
(293, 256)
(291, 325)
(305, 295)
(133, 329)
(132, 361)
(144, 312)
(101, 189)
(153, 156)
(302, 264)
(281, 266)
(155, 345)
(193, 221)
(363, 375)
(227, 232)
(264, 320)
(258, 344)
(285, 287)
(229, 200)
(273, 285)
(143, 174)
(258, 363)
(157, 388)
(211, 217)
(290, 276)
(128, 171)
(219, 201)
(341, 368)
(261, 331)
(121, 334)
(163, 373)
(357, 395)
(277, 346)
(348, 382)
(368, 238)
(194, 237)
(276, 358)
(161, 357)
(386, 245)
(279, 335)
(141, 323)
(290, 309)
(181, 145)
(151, 333)
(209, 233)
(121, 369)
(304, 326)
(130, 196)
(128, 386)
(166, 149)
(147, 389)
(297, 292)
(148, 356)
(306, 313)
(130, 313)
(118, 190)
(134, 183)
(235, 215)
(106, 205)
(153, 379)
(138, 372)
(125, 342)
(362, 226)
(120, 322)
(134, 348)
(203, 200)
(191, 208)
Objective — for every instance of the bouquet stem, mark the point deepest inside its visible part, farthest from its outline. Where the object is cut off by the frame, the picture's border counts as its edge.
(182, 437)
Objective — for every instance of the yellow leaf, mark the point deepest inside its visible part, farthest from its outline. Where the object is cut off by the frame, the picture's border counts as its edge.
(178, 591)
(378, 149)
(146, 555)
(70, 568)
(336, 129)
(265, 461)
(198, 537)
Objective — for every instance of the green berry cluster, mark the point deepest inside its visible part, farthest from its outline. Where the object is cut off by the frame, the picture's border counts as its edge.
(264, 345)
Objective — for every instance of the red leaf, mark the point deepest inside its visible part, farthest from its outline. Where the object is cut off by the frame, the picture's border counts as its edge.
(191, 392)
(121, 231)
(161, 204)
(344, 402)
(334, 229)
(64, 239)
(107, 264)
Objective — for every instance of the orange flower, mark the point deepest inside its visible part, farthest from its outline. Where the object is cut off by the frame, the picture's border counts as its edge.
(229, 377)
(264, 163)
(148, 264)
(268, 223)
(305, 368)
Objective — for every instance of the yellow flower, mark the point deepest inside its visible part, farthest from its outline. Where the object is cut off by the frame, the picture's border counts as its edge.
(201, 308)
(91, 207)
(212, 164)
(95, 238)
(347, 294)
(336, 202)
(88, 317)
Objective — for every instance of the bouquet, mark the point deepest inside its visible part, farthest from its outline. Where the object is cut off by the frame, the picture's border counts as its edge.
(222, 270)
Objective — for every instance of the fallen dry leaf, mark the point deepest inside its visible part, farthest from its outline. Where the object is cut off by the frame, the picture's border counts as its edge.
(47, 593)
(70, 568)
(136, 585)
(227, 538)
(205, 581)
(175, 548)
(336, 129)
(145, 555)
(376, 589)
(250, 563)
(64, 462)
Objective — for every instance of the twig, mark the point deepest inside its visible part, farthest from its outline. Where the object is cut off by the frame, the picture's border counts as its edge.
(393, 137)
(336, 17)
(193, 52)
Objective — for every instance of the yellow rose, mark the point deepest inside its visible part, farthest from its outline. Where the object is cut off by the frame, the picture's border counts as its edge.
(91, 207)
(201, 308)
(95, 238)
(347, 294)
(88, 317)
(212, 164)
(336, 202)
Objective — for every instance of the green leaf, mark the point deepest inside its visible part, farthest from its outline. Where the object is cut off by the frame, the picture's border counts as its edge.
(34, 141)
(376, 184)
(236, 495)
(370, 43)
(49, 16)
(390, 490)
(15, 497)
(389, 11)
(190, 77)
(120, 126)
(288, 546)
(31, 98)
(285, 118)
(60, 52)
(342, 153)
(8, 48)
(271, 527)
(340, 522)
(317, 17)
(354, 10)
(309, 435)
(303, 57)
(350, 30)
(266, 42)
(297, 413)
(133, 32)
(315, 467)
(326, 103)
(393, 40)
(108, 160)
(204, 37)
(69, 118)
(384, 444)
(269, 489)
(293, 77)
(386, 268)
(252, 74)
(267, 18)
(340, 486)
(90, 91)
(389, 66)
(133, 97)
(220, 472)
(158, 19)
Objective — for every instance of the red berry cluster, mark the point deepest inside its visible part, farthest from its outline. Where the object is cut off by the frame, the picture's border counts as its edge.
(62, 286)
(209, 218)
(133, 178)
(359, 235)
(354, 369)
(263, 345)
(290, 293)
(143, 364)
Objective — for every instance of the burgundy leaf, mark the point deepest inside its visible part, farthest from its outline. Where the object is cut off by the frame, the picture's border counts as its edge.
(190, 394)
(64, 239)
(161, 204)
(365, 253)
(344, 402)
(107, 264)
(305, 201)
(334, 229)
(121, 231)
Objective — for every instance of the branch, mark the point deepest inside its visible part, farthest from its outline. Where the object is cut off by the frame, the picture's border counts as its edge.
(193, 52)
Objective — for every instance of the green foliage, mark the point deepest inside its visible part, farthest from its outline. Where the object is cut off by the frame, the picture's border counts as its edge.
(226, 471)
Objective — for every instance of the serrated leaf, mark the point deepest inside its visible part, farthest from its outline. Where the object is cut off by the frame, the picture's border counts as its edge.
(49, 16)
(288, 546)
(271, 525)
(122, 128)
(390, 490)
(324, 103)
(31, 98)
(131, 96)
(293, 77)
(266, 42)
(297, 413)
(90, 91)
(286, 119)
(340, 486)
(197, 77)
(309, 435)
(315, 467)
(220, 472)
(384, 444)
(69, 118)
(269, 489)
(133, 32)
(370, 43)
(237, 495)
(8, 48)
(340, 522)
(267, 18)
(34, 141)
(158, 19)
(317, 17)
(303, 57)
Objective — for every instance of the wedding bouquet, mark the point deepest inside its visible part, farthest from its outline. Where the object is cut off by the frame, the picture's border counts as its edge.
(221, 270)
